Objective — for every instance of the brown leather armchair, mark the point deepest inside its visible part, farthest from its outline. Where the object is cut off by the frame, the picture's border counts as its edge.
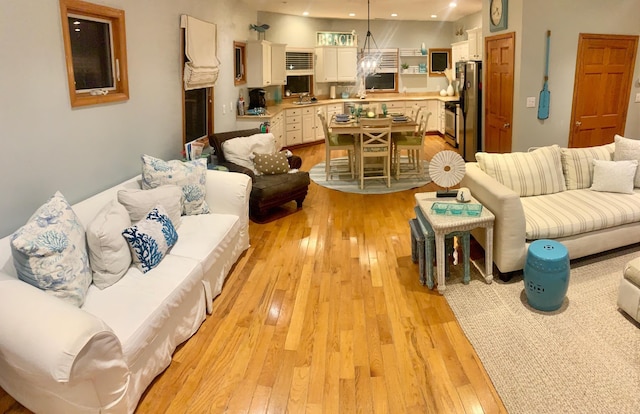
(267, 191)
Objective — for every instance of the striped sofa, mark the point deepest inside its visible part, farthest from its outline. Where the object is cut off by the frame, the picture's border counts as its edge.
(582, 197)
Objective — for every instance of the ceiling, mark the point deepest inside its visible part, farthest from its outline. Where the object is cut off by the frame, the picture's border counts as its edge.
(379, 9)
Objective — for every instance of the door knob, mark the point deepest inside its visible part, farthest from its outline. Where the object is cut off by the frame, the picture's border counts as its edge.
(507, 125)
(578, 123)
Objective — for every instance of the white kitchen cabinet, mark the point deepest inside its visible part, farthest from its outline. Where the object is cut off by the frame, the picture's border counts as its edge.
(441, 118)
(433, 123)
(459, 51)
(277, 129)
(293, 126)
(399, 107)
(308, 125)
(278, 64)
(476, 43)
(319, 131)
(336, 64)
(347, 64)
(334, 109)
(262, 58)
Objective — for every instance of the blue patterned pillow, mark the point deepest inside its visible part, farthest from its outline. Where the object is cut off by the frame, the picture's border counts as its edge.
(151, 238)
(191, 176)
(50, 251)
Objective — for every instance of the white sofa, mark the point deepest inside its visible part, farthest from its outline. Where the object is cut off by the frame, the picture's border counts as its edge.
(519, 190)
(58, 358)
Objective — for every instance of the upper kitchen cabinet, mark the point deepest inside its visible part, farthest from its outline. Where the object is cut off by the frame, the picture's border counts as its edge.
(475, 41)
(265, 64)
(278, 64)
(459, 51)
(336, 64)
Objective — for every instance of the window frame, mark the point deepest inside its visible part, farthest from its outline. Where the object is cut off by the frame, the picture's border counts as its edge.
(240, 47)
(210, 101)
(116, 18)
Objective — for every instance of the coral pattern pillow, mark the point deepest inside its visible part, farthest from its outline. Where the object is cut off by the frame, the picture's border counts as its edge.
(628, 149)
(150, 239)
(191, 176)
(270, 164)
(577, 164)
(50, 251)
(108, 251)
(527, 173)
(614, 176)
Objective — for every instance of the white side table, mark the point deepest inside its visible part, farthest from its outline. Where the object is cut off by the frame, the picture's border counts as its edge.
(445, 224)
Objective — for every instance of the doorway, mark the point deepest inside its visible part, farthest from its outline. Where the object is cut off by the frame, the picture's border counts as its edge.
(604, 73)
(499, 92)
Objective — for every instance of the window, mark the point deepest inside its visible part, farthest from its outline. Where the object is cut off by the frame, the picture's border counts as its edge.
(299, 66)
(196, 110)
(239, 50)
(386, 77)
(439, 60)
(95, 52)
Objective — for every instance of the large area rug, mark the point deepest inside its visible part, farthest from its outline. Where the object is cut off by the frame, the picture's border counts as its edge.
(582, 358)
(342, 181)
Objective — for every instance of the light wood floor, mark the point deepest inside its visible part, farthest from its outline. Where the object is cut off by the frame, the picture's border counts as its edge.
(325, 314)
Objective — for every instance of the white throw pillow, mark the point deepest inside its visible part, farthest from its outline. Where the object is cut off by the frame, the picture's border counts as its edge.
(191, 176)
(527, 173)
(139, 202)
(150, 239)
(109, 253)
(50, 251)
(240, 150)
(577, 164)
(628, 149)
(614, 176)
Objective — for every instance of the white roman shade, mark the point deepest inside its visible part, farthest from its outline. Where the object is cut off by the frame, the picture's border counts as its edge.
(201, 69)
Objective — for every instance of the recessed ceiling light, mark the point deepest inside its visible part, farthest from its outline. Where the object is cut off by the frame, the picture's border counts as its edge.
(352, 14)
(305, 13)
(394, 14)
(453, 4)
(434, 16)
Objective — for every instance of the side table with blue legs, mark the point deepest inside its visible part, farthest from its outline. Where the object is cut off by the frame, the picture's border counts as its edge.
(443, 225)
(423, 233)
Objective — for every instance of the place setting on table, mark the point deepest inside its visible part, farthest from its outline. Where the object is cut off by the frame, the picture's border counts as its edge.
(350, 123)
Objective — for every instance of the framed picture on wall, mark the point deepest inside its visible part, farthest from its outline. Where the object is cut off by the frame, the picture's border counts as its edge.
(439, 60)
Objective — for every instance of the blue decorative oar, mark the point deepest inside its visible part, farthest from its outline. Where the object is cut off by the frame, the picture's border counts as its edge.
(545, 94)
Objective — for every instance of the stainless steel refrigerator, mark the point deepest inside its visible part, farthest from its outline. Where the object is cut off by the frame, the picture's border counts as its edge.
(470, 76)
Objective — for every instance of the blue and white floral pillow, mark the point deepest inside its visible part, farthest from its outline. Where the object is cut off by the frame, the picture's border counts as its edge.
(191, 176)
(50, 251)
(151, 238)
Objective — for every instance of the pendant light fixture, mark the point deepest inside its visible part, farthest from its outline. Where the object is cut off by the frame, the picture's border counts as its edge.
(369, 62)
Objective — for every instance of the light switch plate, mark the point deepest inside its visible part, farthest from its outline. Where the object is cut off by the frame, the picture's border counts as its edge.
(638, 97)
(531, 102)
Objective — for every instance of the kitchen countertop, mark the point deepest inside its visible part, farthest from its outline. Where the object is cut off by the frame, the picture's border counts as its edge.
(273, 109)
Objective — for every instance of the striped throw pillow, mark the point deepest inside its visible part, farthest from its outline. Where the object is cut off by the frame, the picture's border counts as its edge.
(527, 173)
(577, 164)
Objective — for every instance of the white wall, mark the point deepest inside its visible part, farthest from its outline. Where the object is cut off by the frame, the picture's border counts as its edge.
(47, 146)
(566, 19)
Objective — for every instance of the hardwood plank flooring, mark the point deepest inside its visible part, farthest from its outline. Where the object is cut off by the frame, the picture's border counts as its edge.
(325, 314)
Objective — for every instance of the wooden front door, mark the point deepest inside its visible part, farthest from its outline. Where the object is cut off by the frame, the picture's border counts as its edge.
(499, 92)
(604, 72)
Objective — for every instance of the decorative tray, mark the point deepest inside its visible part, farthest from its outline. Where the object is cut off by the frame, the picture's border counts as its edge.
(457, 209)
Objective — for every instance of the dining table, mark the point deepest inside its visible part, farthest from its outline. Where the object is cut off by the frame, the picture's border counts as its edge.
(352, 126)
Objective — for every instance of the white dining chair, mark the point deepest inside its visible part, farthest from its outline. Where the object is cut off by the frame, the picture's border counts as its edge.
(337, 142)
(375, 142)
(413, 144)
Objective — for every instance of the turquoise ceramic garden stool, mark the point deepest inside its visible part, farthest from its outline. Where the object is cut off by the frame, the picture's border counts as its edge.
(546, 274)
(423, 238)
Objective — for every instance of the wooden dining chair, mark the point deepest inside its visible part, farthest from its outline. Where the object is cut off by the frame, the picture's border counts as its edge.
(337, 142)
(413, 144)
(375, 142)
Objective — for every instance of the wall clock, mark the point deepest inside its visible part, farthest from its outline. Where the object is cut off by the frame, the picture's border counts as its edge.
(498, 15)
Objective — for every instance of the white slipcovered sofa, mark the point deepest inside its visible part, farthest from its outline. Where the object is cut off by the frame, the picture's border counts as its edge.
(553, 193)
(56, 357)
